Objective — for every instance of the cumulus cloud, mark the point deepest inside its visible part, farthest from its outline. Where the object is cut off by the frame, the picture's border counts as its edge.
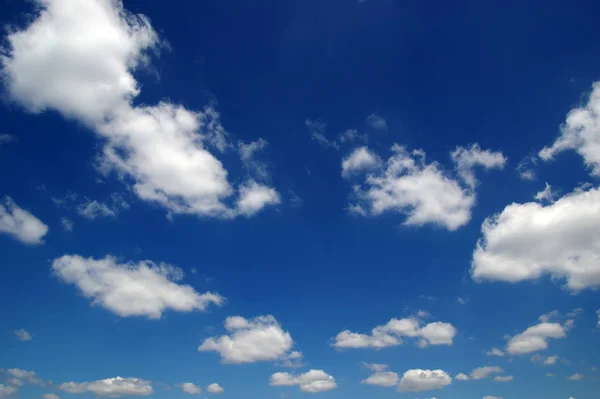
(580, 132)
(377, 122)
(391, 334)
(132, 289)
(215, 388)
(421, 191)
(466, 159)
(359, 160)
(462, 377)
(77, 57)
(312, 381)
(190, 388)
(110, 387)
(535, 338)
(254, 197)
(250, 340)
(507, 378)
(423, 380)
(495, 352)
(317, 133)
(480, 373)
(6, 390)
(20, 224)
(546, 317)
(527, 241)
(381, 376)
(23, 335)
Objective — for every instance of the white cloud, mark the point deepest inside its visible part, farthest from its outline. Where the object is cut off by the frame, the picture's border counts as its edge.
(6, 390)
(548, 316)
(254, 197)
(248, 153)
(132, 289)
(580, 132)
(575, 312)
(50, 396)
(501, 378)
(15, 382)
(317, 133)
(390, 334)
(484, 372)
(526, 241)
(462, 377)
(495, 352)
(251, 340)
(550, 360)
(77, 58)
(423, 380)
(24, 375)
(547, 194)
(535, 338)
(20, 224)
(526, 168)
(492, 397)
(461, 301)
(598, 313)
(191, 388)
(351, 135)
(361, 159)
(381, 376)
(377, 122)
(312, 381)
(420, 190)
(95, 209)
(466, 159)
(215, 388)
(111, 387)
(23, 335)
(291, 360)
(575, 377)
(67, 224)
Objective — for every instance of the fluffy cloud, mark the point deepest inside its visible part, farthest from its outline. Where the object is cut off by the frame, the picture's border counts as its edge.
(391, 334)
(495, 352)
(546, 361)
(580, 132)
(111, 387)
(526, 241)
(421, 191)
(132, 289)
(377, 122)
(466, 159)
(462, 377)
(254, 197)
(190, 388)
(23, 335)
(20, 224)
(312, 381)
(215, 388)
(251, 340)
(6, 390)
(501, 378)
(77, 57)
(423, 380)
(547, 194)
(480, 373)
(535, 338)
(361, 159)
(50, 396)
(24, 375)
(382, 376)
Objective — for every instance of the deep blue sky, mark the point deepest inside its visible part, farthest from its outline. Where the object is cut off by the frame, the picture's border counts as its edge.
(441, 74)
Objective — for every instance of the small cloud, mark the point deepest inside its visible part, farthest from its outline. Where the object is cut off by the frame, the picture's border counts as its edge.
(495, 352)
(575, 377)
(460, 300)
(317, 132)
(23, 335)
(6, 138)
(215, 388)
(377, 122)
(67, 224)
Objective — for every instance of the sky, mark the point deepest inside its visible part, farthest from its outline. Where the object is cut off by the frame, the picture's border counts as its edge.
(280, 199)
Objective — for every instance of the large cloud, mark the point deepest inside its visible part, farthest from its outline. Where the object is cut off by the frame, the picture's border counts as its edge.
(312, 381)
(423, 380)
(132, 289)
(77, 57)
(535, 338)
(526, 241)
(20, 224)
(251, 340)
(110, 387)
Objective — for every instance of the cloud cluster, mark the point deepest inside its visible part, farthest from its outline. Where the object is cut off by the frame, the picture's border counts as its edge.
(110, 387)
(20, 224)
(132, 289)
(312, 381)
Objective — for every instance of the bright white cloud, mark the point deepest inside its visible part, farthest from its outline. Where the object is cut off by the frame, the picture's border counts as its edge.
(317, 133)
(501, 378)
(110, 387)
(215, 388)
(77, 57)
(466, 159)
(423, 380)
(359, 160)
(24, 375)
(50, 396)
(535, 338)
(462, 377)
(381, 376)
(6, 390)
(495, 352)
(581, 132)
(312, 381)
(550, 360)
(20, 224)
(132, 289)
(391, 334)
(23, 335)
(377, 122)
(480, 373)
(250, 340)
(254, 197)
(526, 241)
(191, 388)
(419, 190)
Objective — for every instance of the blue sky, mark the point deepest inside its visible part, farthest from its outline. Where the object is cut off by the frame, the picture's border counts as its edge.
(344, 199)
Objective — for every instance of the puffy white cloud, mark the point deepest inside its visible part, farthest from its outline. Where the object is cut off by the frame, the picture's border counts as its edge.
(550, 360)
(251, 340)
(23, 335)
(215, 388)
(111, 387)
(24, 375)
(495, 352)
(501, 378)
(132, 289)
(575, 377)
(317, 133)
(6, 390)
(20, 224)
(312, 381)
(390, 334)
(377, 122)
(361, 159)
(254, 197)
(526, 241)
(381, 376)
(581, 132)
(421, 191)
(466, 159)
(77, 58)
(423, 380)
(351, 135)
(191, 388)
(480, 373)
(291, 360)
(50, 396)
(462, 377)
(535, 338)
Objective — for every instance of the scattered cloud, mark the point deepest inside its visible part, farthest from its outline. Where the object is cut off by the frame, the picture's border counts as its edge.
(312, 381)
(67, 224)
(575, 312)
(598, 313)
(381, 376)
(110, 387)
(24, 375)
(535, 338)
(495, 352)
(501, 378)
(377, 122)
(566, 236)
(23, 335)
(254, 197)
(462, 377)
(360, 160)
(257, 169)
(575, 377)
(423, 380)
(317, 133)
(190, 388)
(6, 138)
(352, 135)
(526, 168)
(547, 361)
(480, 373)
(95, 209)
(132, 289)
(215, 388)
(251, 340)
(492, 397)
(546, 195)
(20, 224)
(466, 159)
